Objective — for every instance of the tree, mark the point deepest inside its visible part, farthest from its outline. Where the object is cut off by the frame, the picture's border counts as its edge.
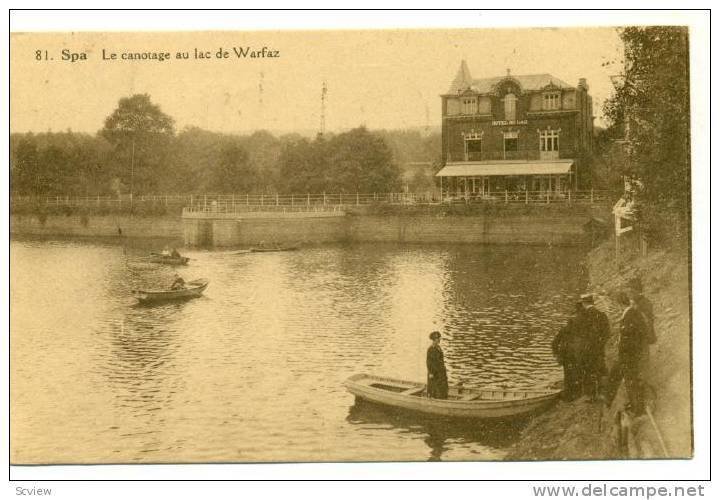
(303, 166)
(360, 161)
(141, 135)
(651, 110)
(26, 176)
(233, 173)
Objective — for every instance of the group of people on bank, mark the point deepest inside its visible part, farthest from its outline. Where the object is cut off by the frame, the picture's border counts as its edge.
(579, 347)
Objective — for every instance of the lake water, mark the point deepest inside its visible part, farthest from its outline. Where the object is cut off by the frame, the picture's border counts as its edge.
(253, 370)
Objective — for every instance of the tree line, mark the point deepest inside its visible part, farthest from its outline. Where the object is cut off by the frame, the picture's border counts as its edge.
(138, 150)
(650, 122)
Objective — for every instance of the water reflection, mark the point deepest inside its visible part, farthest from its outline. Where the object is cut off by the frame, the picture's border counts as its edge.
(480, 437)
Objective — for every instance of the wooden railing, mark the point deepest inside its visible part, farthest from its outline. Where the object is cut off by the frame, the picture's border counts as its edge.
(299, 202)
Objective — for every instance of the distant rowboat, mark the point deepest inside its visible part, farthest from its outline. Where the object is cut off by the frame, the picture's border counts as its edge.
(462, 402)
(157, 258)
(273, 249)
(192, 289)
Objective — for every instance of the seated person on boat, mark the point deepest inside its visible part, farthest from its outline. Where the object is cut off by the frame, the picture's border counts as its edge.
(178, 284)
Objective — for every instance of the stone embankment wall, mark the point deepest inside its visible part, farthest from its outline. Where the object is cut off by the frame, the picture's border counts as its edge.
(97, 225)
(506, 225)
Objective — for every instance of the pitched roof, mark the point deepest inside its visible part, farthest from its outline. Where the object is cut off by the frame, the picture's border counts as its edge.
(463, 81)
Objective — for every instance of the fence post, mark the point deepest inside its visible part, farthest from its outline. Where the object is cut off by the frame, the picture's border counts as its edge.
(262, 199)
(98, 200)
(592, 197)
(526, 196)
(204, 203)
(506, 196)
(548, 197)
(308, 199)
(324, 199)
(247, 199)
(277, 199)
(357, 198)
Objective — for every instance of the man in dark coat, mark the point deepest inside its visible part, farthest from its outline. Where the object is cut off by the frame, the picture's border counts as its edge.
(596, 335)
(631, 353)
(437, 386)
(645, 307)
(568, 346)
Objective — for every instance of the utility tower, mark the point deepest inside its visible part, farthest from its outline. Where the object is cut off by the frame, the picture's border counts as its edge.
(323, 96)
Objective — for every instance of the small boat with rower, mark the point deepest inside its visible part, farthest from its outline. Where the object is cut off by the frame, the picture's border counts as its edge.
(464, 403)
(190, 290)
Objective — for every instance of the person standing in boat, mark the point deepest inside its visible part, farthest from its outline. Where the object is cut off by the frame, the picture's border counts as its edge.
(437, 386)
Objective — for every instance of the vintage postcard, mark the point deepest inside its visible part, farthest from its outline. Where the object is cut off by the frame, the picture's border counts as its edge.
(392, 245)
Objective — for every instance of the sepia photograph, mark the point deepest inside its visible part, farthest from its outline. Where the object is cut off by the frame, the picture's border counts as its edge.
(350, 245)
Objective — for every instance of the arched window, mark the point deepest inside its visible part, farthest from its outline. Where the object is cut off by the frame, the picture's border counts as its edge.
(510, 106)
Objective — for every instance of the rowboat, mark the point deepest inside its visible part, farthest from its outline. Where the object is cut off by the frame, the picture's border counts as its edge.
(192, 289)
(273, 249)
(157, 258)
(465, 403)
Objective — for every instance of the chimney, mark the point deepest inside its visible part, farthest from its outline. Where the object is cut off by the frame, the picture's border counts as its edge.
(583, 84)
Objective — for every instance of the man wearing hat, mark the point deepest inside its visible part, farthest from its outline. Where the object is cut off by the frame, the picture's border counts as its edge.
(631, 347)
(597, 335)
(437, 386)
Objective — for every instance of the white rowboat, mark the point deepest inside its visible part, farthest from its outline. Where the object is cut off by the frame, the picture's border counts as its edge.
(462, 402)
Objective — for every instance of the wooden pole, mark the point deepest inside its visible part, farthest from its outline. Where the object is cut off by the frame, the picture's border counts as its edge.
(657, 431)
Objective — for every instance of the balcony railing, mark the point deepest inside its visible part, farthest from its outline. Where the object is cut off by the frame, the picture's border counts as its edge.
(521, 155)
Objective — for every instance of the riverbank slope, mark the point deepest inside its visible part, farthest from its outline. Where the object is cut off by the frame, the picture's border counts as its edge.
(584, 430)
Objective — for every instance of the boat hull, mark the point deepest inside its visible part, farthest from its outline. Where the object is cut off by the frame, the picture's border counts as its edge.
(193, 290)
(279, 249)
(461, 403)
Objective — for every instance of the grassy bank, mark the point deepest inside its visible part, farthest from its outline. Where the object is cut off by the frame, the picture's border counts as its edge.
(583, 430)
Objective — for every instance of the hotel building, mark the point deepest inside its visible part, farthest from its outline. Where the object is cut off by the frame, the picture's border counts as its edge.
(515, 134)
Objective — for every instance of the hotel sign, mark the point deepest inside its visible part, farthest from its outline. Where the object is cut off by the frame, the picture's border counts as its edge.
(498, 123)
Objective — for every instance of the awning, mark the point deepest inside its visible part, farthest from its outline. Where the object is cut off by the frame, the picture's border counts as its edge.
(476, 169)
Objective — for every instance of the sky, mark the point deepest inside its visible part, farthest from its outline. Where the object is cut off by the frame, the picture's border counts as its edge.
(389, 79)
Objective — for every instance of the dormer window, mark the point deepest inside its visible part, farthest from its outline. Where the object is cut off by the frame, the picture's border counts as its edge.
(551, 100)
(469, 106)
